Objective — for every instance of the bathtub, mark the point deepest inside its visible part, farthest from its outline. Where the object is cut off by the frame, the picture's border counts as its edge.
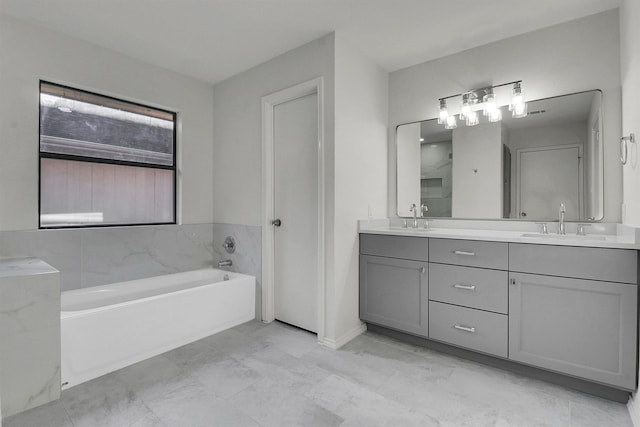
(106, 328)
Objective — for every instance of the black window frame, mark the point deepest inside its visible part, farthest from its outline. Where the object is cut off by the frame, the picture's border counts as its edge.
(46, 155)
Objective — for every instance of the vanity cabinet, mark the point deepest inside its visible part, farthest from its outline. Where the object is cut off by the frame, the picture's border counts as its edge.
(567, 309)
(564, 321)
(394, 282)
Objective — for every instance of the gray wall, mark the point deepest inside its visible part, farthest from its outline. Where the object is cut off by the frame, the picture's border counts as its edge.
(30, 53)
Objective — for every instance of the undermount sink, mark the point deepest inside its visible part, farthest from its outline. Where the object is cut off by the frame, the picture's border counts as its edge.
(564, 236)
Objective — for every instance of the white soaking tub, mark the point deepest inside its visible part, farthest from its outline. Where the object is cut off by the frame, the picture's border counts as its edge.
(106, 328)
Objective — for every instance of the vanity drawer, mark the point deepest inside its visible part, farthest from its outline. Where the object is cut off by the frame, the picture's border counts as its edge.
(611, 265)
(472, 253)
(404, 247)
(469, 286)
(466, 327)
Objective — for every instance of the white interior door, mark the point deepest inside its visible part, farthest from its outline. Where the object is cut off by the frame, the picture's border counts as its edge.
(296, 207)
(549, 176)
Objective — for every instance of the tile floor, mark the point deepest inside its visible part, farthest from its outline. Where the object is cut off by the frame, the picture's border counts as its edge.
(276, 375)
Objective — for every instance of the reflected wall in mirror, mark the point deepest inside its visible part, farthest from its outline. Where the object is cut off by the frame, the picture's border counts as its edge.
(515, 168)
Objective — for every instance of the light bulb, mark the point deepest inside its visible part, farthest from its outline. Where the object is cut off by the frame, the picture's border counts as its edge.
(451, 123)
(518, 107)
(468, 101)
(472, 118)
(444, 112)
(489, 102)
(519, 110)
(495, 115)
(517, 99)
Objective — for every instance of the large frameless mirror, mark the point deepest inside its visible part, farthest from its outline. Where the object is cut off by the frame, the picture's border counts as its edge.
(515, 168)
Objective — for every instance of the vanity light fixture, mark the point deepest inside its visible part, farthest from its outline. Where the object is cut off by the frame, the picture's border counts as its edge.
(484, 99)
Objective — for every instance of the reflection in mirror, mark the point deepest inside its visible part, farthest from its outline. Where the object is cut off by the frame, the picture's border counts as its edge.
(515, 168)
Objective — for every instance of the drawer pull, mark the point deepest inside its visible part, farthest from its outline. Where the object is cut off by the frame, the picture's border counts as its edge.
(465, 287)
(465, 328)
(464, 253)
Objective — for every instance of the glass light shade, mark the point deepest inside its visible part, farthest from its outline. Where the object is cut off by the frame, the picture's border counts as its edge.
(495, 115)
(444, 112)
(472, 119)
(517, 99)
(519, 110)
(490, 105)
(518, 107)
(468, 101)
(466, 106)
(442, 118)
(464, 111)
(451, 123)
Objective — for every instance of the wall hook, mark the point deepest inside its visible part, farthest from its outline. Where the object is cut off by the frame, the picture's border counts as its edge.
(624, 147)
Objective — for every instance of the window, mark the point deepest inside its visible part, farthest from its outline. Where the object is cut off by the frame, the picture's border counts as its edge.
(104, 161)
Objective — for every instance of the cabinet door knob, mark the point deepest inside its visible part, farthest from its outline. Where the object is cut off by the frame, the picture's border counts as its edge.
(512, 281)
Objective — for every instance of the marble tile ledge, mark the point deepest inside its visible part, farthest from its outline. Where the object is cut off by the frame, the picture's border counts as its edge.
(13, 267)
(601, 235)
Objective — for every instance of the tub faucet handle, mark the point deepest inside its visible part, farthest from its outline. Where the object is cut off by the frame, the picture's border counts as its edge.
(229, 245)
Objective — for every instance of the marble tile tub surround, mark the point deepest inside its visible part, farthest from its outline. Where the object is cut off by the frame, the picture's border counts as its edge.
(99, 256)
(276, 375)
(247, 258)
(29, 334)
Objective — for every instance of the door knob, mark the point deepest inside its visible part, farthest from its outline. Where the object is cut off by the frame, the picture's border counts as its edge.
(276, 222)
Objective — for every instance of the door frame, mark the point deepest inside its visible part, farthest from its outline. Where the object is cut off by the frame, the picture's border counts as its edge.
(269, 102)
(518, 179)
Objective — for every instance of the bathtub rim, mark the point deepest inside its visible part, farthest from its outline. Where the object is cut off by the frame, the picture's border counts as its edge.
(65, 314)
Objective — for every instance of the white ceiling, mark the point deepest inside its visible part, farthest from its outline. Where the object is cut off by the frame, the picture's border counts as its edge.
(215, 39)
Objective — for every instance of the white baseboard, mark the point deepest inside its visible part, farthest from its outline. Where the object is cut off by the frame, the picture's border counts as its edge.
(345, 338)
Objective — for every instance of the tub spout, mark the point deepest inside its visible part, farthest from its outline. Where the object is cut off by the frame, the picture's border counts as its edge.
(225, 263)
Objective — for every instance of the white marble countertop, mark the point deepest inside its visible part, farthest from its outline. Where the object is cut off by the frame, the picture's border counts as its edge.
(12, 267)
(597, 235)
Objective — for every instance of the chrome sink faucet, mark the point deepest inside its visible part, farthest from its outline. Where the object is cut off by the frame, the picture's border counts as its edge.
(561, 211)
(413, 208)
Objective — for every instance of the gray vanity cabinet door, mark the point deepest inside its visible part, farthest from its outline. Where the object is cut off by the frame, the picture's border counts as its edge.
(585, 328)
(393, 293)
